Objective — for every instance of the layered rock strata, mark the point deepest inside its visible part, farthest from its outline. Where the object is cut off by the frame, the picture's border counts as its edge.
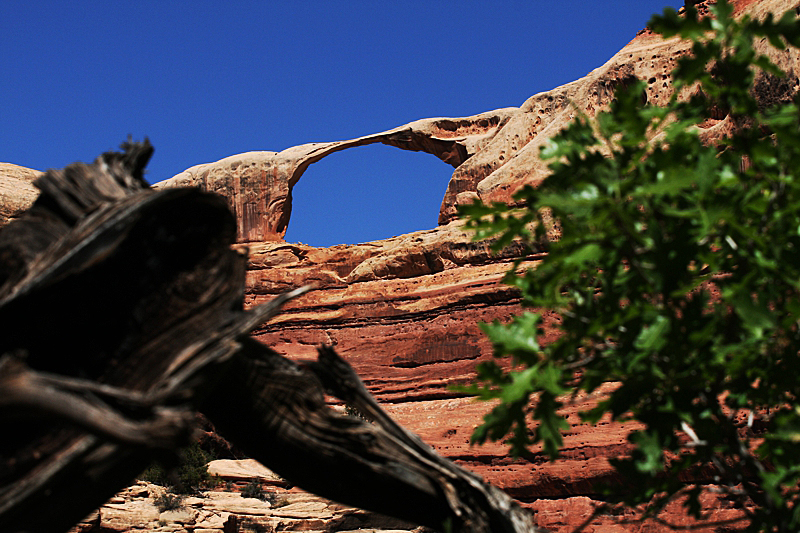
(226, 509)
(404, 311)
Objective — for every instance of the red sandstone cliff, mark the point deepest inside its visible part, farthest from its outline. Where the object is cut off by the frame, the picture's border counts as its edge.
(404, 311)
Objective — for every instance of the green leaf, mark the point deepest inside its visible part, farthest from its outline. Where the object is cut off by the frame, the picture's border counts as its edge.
(649, 455)
(520, 387)
(517, 338)
(756, 317)
(587, 253)
(654, 337)
(551, 424)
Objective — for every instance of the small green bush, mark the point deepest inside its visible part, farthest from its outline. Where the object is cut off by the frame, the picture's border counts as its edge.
(168, 501)
(190, 475)
(155, 473)
(254, 490)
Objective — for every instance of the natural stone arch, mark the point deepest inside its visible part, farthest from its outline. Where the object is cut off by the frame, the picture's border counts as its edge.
(258, 185)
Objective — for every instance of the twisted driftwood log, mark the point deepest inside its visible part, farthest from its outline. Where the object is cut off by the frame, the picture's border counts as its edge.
(121, 312)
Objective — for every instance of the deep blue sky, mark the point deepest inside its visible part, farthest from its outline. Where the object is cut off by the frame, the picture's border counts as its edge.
(208, 79)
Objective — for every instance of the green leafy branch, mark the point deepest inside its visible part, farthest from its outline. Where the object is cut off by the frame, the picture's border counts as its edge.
(676, 274)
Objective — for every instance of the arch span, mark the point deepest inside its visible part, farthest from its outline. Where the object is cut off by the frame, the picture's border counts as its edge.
(258, 184)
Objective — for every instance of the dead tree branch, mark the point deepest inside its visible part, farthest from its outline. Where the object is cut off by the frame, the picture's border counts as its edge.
(122, 313)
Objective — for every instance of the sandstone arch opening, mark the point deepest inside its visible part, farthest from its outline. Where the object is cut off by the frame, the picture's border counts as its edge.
(367, 193)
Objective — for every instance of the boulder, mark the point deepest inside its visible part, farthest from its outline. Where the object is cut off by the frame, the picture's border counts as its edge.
(241, 470)
(17, 192)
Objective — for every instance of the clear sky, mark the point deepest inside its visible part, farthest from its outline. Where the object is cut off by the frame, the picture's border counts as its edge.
(205, 80)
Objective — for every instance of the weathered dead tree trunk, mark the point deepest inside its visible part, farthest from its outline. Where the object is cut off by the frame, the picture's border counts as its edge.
(121, 313)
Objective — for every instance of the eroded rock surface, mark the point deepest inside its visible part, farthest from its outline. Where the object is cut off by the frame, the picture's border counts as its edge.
(494, 153)
(224, 509)
(17, 192)
(258, 185)
(404, 311)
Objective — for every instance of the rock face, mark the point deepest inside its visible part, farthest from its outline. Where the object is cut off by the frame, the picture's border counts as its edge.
(494, 153)
(17, 192)
(258, 185)
(405, 311)
(224, 509)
